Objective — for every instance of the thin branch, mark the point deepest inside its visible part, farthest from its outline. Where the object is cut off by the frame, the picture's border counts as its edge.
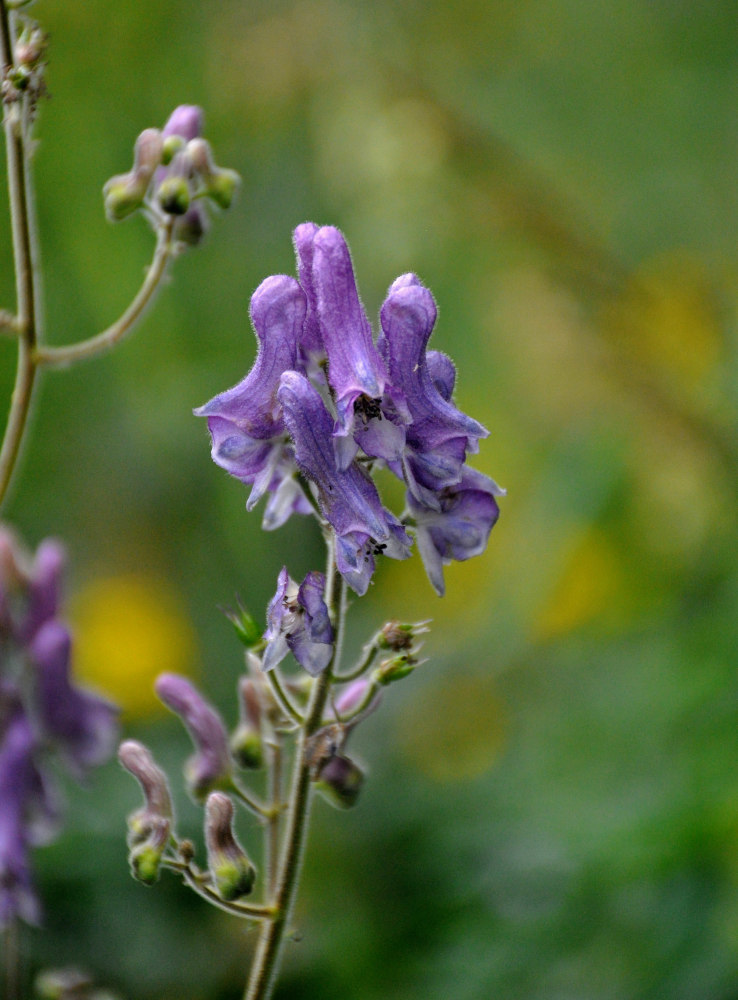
(63, 356)
(25, 256)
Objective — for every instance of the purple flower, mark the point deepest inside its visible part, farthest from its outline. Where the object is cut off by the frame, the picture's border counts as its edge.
(356, 372)
(440, 435)
(81, 725)
(30, 590)
(210, 766)
(245, 422)
(28, 813)
(348, 499)
(41, 713)
(298, 621)
(312, 349)
(459, 529)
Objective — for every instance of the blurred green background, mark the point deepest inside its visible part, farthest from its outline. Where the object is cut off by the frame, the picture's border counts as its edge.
(552, 808)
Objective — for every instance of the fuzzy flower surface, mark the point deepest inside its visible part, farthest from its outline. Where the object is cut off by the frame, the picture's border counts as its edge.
(43, 715)
(327, 403)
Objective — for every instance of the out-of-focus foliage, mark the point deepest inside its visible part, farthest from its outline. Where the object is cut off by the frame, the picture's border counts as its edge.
(552, 806)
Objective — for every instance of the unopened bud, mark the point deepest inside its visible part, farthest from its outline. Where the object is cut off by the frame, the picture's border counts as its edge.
(31, 47)
(340, 781)
(173, 195)
(232, 872)
(172, 145)
(394, 669)
(220, 184)
(147, 153)
(60, 984)
(246, 628)
(210, 766)
(246, 741)
(400, 635)
(123, 196)
(137, 759)
(145, 857)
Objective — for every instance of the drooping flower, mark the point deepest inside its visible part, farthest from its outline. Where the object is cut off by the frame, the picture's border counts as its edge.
(459, 529)
(210, 765)
(366, 413)
(440, 435)
(245, 422)
(348, 498)
(298, 622)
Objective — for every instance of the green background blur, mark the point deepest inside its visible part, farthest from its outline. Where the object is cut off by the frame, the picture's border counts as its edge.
(552, 806)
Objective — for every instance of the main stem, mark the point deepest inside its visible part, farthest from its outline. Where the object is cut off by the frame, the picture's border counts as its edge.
(266, 959)
(24, 256)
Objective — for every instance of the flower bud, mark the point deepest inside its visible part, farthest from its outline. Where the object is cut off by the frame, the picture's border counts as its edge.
(172, 145)
(210, 766)
(145, 856)
(230, 867)
(246, 628)
(246, 741)
(394, 669)
(400, 635)
(173, 195)
(340, 781)
(123, 196)
(220, 185)
(137, 760)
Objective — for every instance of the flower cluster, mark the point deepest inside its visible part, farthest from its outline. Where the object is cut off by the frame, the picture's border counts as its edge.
(173, 171)
(325, 403)
(41, 713)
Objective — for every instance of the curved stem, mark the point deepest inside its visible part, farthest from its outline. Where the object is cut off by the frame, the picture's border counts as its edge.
(281, 696)
(61, 356)
(25, 260)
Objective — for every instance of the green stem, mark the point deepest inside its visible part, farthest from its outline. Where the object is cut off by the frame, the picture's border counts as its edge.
(266, 960)
(62, 356)
(11, 955)
(264, 968)
(281, 696)
(25, 260)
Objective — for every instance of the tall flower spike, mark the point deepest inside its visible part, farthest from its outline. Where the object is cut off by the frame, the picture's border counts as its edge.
(355, 370)
(440, 435)
(298, 621)
(348, 499)
(245, 422)
(210, 766)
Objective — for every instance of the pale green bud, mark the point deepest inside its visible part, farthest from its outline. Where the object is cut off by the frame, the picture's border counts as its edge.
(394, 669)
(230, 867)
(173, 195)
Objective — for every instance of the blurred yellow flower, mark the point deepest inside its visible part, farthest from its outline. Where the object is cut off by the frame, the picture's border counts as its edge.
(128, 629)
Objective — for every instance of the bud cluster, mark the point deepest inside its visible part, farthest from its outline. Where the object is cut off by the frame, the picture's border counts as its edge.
(173, 172)
(25, 77)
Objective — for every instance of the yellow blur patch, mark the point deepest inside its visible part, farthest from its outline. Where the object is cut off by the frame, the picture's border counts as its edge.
(587, 588)
(129, 629)
(669, 318)
(455, 731)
